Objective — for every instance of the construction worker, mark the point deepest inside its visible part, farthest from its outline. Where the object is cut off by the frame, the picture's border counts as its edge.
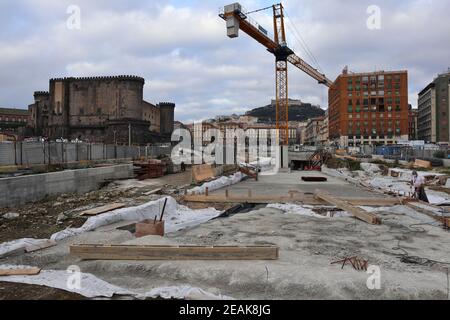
(418, 183)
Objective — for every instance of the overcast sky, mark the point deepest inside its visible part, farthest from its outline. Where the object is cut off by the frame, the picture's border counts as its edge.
(181, 48)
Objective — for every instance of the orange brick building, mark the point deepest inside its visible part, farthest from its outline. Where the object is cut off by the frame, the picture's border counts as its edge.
(369, 108)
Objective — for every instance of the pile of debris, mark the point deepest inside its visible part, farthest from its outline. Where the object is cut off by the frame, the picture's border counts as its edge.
(155, 168)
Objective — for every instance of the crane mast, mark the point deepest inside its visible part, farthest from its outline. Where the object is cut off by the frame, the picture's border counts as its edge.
(282, 52)
(237, 20)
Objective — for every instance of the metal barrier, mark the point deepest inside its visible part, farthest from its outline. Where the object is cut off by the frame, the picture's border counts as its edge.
(35, 153)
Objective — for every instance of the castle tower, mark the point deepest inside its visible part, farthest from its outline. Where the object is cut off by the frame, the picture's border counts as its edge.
(167, 117)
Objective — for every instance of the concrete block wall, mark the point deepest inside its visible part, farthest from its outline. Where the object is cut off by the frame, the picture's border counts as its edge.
(32, 188)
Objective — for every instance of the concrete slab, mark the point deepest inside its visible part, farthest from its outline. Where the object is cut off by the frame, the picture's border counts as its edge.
(307, 245)
(281, 183)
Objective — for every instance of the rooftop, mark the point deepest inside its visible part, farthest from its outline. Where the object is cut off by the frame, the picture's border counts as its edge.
(14, 111)
(374, 73)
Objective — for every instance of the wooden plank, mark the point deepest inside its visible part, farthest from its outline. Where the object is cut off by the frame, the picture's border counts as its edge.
(203, 172)
(126, 252)
(102, 209)
(422, 164)
(296, 197)
(447, 222)
(373, 202)
(20, 272)
(152, 192)
(420, 206)
(346, 206)
(241, 199)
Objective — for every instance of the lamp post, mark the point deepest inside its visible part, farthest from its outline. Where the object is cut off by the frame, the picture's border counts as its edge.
(129, 134)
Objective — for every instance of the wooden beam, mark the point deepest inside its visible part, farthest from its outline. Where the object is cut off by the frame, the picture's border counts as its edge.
(127, 252)
(241, 199)
(292, 197)
(420, 206)
(154, 191)
(373, 202)
(346, 206)
(20, 272)
(102, 209)
(447, 222)
(203, 172)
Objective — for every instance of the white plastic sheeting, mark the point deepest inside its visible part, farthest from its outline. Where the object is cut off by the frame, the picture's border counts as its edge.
(294, 209)
(19, 245)
(217, 184)
(183, 292)
(176, 218)
(305, 210)
(264, 164)
(370, 168)
(92, 287)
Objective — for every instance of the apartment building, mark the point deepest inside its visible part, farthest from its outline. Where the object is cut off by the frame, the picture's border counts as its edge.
(412, 123)
(369, 108)
(434, 111)
(312, 131)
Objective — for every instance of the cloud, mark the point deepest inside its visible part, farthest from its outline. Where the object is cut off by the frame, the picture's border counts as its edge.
(181, 48)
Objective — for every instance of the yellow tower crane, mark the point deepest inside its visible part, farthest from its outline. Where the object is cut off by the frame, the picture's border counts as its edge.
(237, 20)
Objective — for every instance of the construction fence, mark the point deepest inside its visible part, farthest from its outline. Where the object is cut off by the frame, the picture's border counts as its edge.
(36, 153)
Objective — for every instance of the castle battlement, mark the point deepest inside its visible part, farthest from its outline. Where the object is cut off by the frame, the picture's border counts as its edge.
(41, 93)
(166, 104)
(101, 78)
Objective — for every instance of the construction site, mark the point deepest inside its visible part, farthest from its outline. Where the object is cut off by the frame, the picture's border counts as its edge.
(304, 223)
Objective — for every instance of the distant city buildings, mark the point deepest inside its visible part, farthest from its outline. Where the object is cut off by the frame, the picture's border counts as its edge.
(313, 131)
(369, 108)
(364, 109)
(13, 123)
(434, 111)
(11, 119)
(412, 123)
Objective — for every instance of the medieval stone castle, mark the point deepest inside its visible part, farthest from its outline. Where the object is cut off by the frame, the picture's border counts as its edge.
(100, 109)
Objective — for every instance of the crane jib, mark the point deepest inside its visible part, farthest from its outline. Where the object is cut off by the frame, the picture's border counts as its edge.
(237, 20)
